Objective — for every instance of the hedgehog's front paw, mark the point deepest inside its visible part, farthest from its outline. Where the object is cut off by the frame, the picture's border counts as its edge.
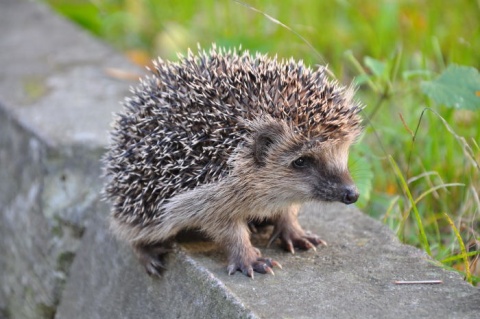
(294, 236)
(152, 257)
(253, 262)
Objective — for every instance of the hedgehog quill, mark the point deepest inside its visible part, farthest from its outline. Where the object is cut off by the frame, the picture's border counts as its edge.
(220, 139)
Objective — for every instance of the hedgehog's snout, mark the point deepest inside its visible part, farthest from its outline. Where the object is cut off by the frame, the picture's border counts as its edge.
(350, 194)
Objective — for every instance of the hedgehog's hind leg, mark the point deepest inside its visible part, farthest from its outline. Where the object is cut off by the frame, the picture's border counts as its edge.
(291, 234)
(152, 256)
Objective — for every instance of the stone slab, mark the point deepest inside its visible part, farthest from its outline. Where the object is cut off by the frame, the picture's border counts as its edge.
(351, 278)
(56, 103)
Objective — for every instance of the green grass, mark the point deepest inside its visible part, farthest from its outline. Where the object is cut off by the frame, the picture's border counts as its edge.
(416, 155)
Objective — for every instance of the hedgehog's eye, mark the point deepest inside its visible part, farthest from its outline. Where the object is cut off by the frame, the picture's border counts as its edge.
(300, 162)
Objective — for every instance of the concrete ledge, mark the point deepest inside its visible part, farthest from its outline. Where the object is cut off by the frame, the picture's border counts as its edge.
(110, 283)
(58, 259)
(351, 278)
(56, 103)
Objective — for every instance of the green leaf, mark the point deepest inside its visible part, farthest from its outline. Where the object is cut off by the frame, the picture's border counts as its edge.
(377, 67)
(361, 79)
(457, 87)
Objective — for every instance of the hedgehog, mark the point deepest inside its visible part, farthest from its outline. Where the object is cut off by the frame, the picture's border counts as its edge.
(223, 138)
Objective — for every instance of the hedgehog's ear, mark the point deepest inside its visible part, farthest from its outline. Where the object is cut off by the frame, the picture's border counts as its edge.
(264, 137)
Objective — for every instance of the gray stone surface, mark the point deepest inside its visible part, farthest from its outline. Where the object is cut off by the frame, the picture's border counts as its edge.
(351, 278)
(110, 283)
(56, 102)
(58, 260)
(54, 77)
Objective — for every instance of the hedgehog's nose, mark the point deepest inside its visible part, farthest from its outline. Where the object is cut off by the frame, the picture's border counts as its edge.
(350, 195)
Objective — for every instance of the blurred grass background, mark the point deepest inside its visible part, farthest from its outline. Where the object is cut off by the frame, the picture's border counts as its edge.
(390, 49)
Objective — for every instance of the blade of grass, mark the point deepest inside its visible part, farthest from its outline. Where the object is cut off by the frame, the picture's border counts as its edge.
(358, 66)
(431, 190)
(390, 208)
(467, 149)
(283, 25)
(418, 219)
(460, 256)
(425, 174)
(397, 60)
(468, 275)
(437, 52)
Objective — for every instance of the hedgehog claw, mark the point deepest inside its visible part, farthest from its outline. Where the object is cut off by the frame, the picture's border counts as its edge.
(269, 270)
(276, 264)
(289, 247)
(154, 268)
(303, 242)
(152, 257)
(232, 268)
(250, 272)
(294, 237)
(308, 245)
(260, 265)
